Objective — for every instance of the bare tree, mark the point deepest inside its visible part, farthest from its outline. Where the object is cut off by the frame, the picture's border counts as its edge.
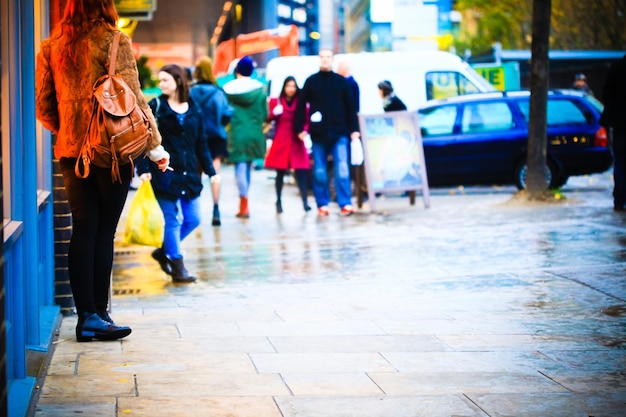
(536, 186)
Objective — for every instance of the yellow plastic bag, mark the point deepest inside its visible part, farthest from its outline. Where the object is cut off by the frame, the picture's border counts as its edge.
(145, 223)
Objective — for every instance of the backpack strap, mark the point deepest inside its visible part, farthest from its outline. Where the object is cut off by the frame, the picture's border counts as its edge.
(113, 53)
(83, 162)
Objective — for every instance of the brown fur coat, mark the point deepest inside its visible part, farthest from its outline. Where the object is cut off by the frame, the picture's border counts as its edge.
(64, 89)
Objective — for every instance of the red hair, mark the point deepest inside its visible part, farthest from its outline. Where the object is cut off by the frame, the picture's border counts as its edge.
(80, 16)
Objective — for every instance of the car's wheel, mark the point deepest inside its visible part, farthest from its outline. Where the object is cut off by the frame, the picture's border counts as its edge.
(562, 181)
(553, 177)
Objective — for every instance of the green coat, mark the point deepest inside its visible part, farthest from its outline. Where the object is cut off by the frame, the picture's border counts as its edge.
(246, 140)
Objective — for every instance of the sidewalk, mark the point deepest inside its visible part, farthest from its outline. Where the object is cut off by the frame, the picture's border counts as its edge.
(472, 307)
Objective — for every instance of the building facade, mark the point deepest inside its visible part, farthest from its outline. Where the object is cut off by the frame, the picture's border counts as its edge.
(398, 25)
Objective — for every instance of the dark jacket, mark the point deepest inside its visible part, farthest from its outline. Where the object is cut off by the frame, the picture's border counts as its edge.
(329, 95)
(393, 103)
(614, 97)
(189, 151)
(356, 93)
(214, 106)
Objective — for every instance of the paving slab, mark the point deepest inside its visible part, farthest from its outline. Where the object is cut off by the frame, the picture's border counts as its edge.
(182, 406)
(552, 404)
(95, 409)
(389, 405)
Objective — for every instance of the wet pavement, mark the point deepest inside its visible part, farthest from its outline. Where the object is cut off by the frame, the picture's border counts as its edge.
(472, 307)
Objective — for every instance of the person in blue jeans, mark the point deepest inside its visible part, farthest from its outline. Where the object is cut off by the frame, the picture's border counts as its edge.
(178, 190)
(332, 124)
(246, 141)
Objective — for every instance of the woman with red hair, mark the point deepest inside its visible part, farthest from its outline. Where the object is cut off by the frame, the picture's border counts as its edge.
(68, 65)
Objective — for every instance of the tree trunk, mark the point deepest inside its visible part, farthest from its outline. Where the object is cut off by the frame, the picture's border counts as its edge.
(537, 135)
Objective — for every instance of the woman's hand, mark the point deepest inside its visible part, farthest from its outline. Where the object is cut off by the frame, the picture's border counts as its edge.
(160, 157)
(163, 164)
(145, 177)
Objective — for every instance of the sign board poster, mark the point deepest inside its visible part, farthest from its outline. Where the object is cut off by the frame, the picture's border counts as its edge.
(393, 154)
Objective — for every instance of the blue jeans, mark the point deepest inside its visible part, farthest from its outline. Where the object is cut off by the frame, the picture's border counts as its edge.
(321, 189)
(242, 175)
(181, 218)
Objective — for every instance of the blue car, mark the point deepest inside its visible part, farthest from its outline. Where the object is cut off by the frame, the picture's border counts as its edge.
(482, 138)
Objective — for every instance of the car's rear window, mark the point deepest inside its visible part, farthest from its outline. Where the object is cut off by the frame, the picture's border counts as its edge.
(560, 112)
(595, 103)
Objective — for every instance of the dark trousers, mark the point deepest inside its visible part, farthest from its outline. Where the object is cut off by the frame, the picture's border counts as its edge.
(619, 168)
(96, 204)
(302, 180)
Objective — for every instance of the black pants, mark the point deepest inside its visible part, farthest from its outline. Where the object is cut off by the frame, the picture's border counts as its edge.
(302, 180)
(619, 168)
(96, 204)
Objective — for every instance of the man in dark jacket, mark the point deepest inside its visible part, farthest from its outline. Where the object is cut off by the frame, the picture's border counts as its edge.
(614, 119)
(332, 123)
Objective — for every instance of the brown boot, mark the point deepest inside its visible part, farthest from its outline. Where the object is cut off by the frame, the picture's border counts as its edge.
(179, 272)
(243, 208)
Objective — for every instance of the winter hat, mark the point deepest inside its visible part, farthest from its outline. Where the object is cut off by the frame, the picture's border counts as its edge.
(203, 70)
(386, 87)
(245, 66)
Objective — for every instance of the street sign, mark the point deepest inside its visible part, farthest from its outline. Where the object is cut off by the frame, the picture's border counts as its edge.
(133, 6)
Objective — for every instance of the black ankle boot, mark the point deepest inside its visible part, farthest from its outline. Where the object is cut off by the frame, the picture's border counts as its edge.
(279, 206)
(91, 326)
(179, 272)
(104, 315)
(216, 216)
(159, 256)
(305, 205)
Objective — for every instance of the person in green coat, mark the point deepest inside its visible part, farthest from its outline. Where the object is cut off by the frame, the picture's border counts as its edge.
(246, 140)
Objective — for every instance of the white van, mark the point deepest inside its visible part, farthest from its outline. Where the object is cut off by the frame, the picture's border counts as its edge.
(416, 76)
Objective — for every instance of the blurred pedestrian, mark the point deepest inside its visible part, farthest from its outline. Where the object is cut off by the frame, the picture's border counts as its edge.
(391, 102)
(614, 119)
(178, 190)
(217, 112)
(246, 142)
(344, 69)
(332, 122)
(356, 172)
(288, 151)
(580, 84)
(72, 58)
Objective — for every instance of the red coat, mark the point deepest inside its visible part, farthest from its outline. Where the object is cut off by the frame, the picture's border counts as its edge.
(287, 150)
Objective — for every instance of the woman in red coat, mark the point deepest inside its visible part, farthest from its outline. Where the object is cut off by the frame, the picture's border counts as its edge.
(287, 150)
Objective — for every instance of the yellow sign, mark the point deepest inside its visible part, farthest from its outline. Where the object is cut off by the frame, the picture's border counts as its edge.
(124, 6)
(494, 75)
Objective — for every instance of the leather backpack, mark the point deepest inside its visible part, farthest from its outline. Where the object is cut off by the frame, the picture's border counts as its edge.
(119, 130)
